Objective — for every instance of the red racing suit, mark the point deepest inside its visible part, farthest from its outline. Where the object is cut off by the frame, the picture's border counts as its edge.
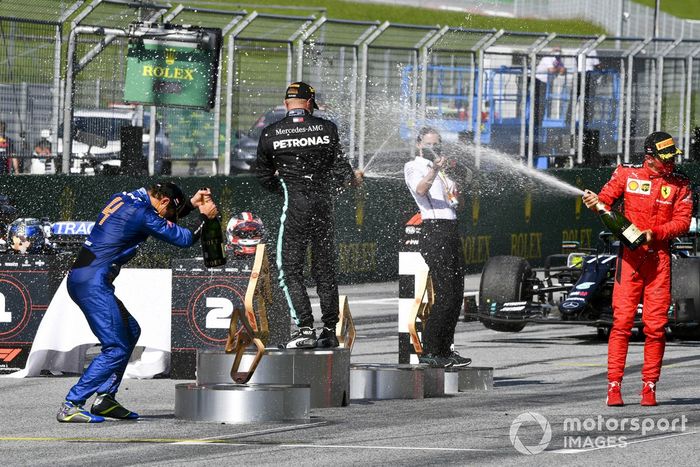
(664, 205)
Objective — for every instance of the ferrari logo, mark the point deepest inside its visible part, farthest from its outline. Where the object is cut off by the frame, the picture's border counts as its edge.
(665, 191)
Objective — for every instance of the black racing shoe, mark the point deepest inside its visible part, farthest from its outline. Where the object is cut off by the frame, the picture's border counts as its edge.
(327, 339)
(107, 406)
(74, 413)
(458, 361)
(435, 361)
(303, 338)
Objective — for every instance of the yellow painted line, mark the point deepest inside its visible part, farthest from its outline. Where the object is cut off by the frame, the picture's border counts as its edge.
(601, 365)
(575, 364)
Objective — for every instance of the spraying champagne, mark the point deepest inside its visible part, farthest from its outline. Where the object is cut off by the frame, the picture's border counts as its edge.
(628, 233)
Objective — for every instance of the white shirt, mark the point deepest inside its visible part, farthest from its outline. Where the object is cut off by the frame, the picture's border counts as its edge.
(434, 204)
(591, 62)
(545, 63)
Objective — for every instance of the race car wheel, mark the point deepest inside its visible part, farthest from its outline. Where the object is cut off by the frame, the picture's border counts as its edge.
(503, 280)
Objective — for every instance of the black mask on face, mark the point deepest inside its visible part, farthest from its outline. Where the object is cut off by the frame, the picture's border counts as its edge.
(431, 151)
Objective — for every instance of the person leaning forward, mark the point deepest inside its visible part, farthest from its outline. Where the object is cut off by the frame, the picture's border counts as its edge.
(437, 196)
(126, 221)
(300, 158)
(659, 202)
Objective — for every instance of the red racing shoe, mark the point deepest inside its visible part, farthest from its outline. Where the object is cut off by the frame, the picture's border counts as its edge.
(648, 393)
(614, 394)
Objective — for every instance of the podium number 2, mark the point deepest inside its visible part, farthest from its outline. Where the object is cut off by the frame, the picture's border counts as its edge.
(5, 316)
(220, 314)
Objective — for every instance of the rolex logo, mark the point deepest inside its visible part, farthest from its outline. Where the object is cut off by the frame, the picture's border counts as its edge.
(170, 56)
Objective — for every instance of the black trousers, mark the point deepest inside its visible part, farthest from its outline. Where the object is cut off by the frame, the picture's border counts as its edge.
(442, 250)
(307, 219)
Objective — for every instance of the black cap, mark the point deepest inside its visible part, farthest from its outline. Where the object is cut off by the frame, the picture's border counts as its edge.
(174, 193)
(661, 145)
(301, 90)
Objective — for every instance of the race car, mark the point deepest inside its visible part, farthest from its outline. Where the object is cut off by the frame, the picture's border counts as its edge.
(576, 288)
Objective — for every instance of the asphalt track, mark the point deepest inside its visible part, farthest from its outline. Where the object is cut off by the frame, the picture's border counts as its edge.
(555, 371)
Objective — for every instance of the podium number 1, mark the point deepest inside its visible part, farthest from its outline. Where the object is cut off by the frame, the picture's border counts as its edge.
(5, 316)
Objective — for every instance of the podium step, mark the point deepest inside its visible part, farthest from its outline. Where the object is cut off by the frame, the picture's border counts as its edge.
(325, 371)
(377, 381)
(242, 403)
(471, 378)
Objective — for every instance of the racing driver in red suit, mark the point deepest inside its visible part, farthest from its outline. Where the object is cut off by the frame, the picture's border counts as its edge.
(659, 202)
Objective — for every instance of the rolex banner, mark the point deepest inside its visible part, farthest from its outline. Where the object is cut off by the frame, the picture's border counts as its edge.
(165, 72)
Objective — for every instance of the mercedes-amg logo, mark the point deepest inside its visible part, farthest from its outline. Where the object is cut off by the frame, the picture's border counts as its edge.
(529, 419)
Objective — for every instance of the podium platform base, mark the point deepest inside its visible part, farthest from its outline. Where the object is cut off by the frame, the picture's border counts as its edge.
(242, 403)
(472, 378)
(325, 371)
(387, 381)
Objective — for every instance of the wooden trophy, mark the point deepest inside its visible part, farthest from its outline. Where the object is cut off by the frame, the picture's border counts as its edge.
(250, 328)
(345, 329)
(425, 297)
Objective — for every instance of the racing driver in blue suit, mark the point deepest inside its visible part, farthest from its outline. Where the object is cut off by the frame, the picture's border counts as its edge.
(122, 226)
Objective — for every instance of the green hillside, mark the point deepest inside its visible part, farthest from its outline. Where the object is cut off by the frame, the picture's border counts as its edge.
(339, 9)
(689, 9)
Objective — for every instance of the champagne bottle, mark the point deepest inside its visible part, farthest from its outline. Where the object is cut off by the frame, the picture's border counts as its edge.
(628, 233)
(213, 243)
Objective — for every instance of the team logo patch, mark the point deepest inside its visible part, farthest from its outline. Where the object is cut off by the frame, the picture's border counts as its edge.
(298, 119)
(665, 191)
(642, 187)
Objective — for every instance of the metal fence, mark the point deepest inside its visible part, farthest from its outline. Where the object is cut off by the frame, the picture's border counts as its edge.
(380, 82)
(618, 17)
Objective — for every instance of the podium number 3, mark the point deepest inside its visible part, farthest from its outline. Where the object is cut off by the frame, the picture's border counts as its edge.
(5, 316)
(219, 317)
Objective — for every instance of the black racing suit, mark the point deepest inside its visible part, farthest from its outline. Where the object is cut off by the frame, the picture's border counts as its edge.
(301, 158)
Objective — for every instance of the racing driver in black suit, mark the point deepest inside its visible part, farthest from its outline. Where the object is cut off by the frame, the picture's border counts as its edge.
(300, 157)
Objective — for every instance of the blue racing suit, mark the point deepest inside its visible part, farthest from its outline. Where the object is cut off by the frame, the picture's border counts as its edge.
(124, 224)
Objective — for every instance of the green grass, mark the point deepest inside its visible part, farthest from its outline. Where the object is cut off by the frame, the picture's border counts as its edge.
(338, 9)
(689, 9)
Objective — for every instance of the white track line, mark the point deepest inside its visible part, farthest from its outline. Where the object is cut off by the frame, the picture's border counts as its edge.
(334, 446)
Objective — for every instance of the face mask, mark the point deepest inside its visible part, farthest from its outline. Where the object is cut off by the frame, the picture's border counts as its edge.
(665, 168)
(661, 167)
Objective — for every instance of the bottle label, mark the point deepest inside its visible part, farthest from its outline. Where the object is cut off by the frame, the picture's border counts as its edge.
(631, 233)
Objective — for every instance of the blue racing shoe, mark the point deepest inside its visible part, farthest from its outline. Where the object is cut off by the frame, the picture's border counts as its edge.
(73, 413)
(107, 406)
